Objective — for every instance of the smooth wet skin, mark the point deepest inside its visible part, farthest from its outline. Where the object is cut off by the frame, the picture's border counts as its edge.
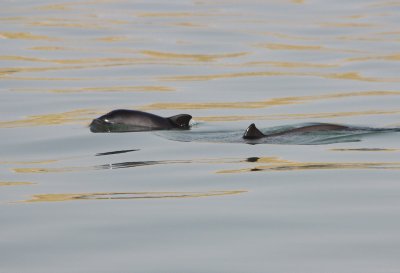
(252, 131)
(135, 121)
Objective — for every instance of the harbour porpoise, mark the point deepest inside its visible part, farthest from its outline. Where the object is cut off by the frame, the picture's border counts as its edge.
(252, 132)
(123, 120)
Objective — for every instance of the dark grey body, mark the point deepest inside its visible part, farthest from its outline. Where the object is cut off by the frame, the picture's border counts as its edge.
(252, 131)
(132, 121)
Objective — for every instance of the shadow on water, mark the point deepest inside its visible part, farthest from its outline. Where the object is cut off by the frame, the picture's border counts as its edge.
(117, 152)
(133, 164)
(122, 165)
(364, 150)
(57, 160)
(110, 166)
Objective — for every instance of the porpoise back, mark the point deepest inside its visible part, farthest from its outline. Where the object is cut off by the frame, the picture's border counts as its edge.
(123, 120)
(252, 131)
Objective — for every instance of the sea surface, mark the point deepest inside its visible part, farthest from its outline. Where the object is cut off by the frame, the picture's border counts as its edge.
(155, 202)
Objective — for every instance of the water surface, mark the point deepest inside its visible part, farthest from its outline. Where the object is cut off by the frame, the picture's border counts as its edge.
(74, 201)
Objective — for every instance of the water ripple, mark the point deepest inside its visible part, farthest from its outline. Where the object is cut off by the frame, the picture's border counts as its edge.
(62, 197)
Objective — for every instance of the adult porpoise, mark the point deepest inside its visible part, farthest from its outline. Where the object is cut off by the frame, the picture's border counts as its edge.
(252, 132)
(123, 120)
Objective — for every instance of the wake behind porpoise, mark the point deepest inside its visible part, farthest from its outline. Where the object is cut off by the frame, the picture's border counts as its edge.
(287, 135)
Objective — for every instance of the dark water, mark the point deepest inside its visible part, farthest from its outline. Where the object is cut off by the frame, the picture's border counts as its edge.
(200, 200)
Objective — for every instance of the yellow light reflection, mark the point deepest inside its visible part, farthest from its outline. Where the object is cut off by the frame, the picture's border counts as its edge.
(111, 39)
(6, 184)
(291, 47)
(52, 119)
(298, 116)
(48, 48)
(285, 165)
(85, 115)
(120, 165)
(196, 57)
(288, 64)
(347, 25)
(29, 162)
(173, 14)
(126, 195)
(25, 36)
(148, 88)
(391, 57)
(342, 76)
(266, 103)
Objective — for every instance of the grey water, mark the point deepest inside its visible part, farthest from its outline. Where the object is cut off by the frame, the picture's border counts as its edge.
(277, 135)
(202, 200)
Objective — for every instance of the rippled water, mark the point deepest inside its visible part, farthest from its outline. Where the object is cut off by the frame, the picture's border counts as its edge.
(74, 201)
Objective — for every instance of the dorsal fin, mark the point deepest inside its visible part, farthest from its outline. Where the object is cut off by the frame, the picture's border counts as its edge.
(181, 121)
(252, 132)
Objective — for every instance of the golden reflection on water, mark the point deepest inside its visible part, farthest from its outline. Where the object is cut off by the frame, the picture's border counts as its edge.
(148, 88)
(126, 195)
(92, 24)
(48, 48)
(389, 33)
(66, 6)
(188, 24)
(221, 105)
(178, 59)
(85, 115)
(289, 37)
(167, 58)
(291, 47)
(112, 39)
(66, 24)
(121, 165)
(382, 4)
(12, 70)
(270, 163)
(288, 64)
(174, 14)
(153, 57)
(51, 170)
(40, 78)
(356, 76)
(347, 25)
(72, 61)
(81, 169)
(266, 103)
(57, 7)
(25, 36)
(49, 161)
(196, 57)
(391, 57)
(298, 116)
(358, 38)
(5, 184)
(276, 164)
(52, 119)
